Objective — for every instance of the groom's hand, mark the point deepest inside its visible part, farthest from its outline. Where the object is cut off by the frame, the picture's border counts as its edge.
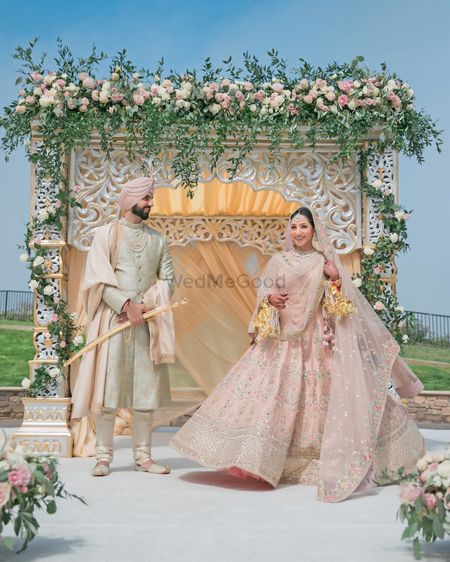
(134, 312)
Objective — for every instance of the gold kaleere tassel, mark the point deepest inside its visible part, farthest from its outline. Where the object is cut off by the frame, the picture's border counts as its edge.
(336, 303)
(267, 321)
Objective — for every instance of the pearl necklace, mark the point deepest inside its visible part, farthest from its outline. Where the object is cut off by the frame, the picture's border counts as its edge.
(137, 243)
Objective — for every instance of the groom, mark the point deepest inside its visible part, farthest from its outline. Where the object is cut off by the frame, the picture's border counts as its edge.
(128, 271)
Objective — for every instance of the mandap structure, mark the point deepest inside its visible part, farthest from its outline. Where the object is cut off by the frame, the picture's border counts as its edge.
(233, 152)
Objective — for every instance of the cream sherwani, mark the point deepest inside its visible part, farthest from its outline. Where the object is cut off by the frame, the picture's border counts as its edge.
(132, 379)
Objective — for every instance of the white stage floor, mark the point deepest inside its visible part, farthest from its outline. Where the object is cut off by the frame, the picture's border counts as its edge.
(198, 515)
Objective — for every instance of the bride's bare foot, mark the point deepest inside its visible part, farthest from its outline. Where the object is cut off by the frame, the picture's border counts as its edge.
(152, 467)
(101, 469)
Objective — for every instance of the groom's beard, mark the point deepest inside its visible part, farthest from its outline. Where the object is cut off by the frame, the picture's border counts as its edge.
(142, 213)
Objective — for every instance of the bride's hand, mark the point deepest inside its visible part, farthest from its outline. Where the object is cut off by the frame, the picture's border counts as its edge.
(278, 300)
(331, 270)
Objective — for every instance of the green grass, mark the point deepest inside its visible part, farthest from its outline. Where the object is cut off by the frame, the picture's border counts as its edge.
(433, 378)
(16, 349)
(17, 322)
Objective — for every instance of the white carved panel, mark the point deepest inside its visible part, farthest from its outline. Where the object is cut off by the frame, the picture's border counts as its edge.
(331, 188)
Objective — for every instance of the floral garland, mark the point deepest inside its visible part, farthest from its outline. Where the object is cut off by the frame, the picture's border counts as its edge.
(193, 114)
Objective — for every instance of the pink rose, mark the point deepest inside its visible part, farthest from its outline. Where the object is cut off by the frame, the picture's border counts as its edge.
(117, 97)
(320, 83)
(277, 87)
(56, 300)
(308, 98)
(331, 96)
(36, 76)
(58, 204)
(138, 99)
(31, 100)
(343, 100)
(76, 188)
(5, 493)
(430, 471)
(345, 85)
(239, 96)
(54, 318)
(248, 86)
(83, 108)
(260, 95)
(410, 492)
(226, 82)
(377, 270)
(394, 99)
(20, 109)
(20, 476)
(218, 97)
(292, 109)
(303, 84)
(62, 344)
(430, 500)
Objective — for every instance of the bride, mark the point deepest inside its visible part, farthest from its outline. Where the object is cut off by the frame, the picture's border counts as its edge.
(308, 402)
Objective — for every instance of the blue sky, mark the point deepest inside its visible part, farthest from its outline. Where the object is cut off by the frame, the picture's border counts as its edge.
(412, 37)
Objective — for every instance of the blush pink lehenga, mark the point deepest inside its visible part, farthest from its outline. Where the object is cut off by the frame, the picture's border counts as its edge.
(301, 408)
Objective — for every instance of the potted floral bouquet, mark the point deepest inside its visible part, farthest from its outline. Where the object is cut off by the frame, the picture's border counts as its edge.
(425, 497)
(27, 483)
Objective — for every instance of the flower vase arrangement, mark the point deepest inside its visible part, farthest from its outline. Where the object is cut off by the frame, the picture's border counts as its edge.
(27, 484)
(425, 497)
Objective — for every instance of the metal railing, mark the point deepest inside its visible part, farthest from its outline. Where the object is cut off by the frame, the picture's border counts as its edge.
(429, 328)
(16, 305)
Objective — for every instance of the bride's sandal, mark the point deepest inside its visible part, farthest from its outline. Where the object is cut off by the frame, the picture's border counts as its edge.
(151, 467)
(101, 469)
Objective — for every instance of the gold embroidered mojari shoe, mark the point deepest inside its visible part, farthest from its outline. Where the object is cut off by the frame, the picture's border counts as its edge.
(152, 467)
(101, 469)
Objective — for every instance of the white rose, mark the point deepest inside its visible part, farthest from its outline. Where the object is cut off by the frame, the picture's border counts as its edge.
(37, 92)
(73, 316)
(53, 372)
(253, 107)
(215, 108)
(405, 338)
(394, 237)
(39, 260)
(352, 105)
(49, 79)
(33, 284)
(400, 308)
(443, 469)
(72, 88)
(23, 257)
(333, 109)
(104, 97)
(377, 184)
(356, 84)
(46, 101)
(78, 340)
(180, 104)
(48, 290)
(51, 210)
(26, 383)
(368, 251)
(399, 215)
(422, 464)
(357, 282)
(391, 85)
(42, 214)
(379, 306)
